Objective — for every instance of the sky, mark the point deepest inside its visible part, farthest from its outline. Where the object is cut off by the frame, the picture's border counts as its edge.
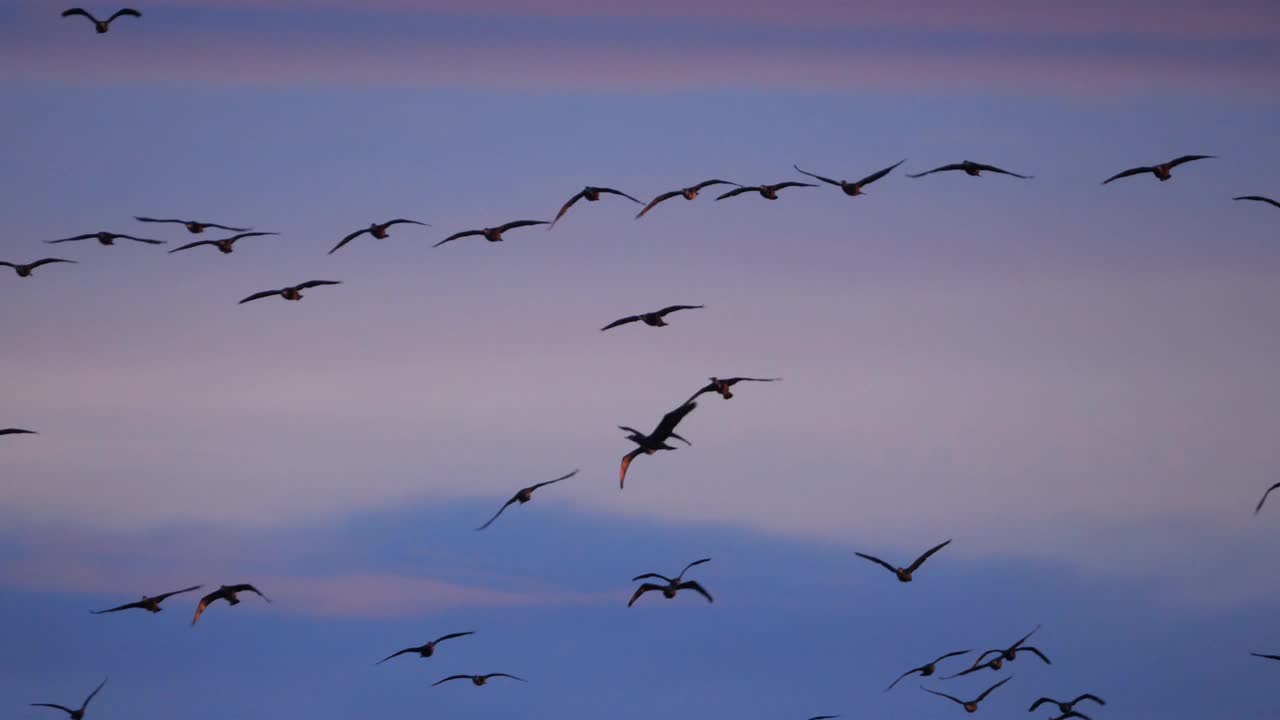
(1074, 382)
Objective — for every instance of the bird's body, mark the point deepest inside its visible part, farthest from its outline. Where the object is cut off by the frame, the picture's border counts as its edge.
(78, 713)
(492, 234)
(688, 193)
(149, 603)
(427, 650)
(192, 226)
(524, 495)
(656, 440)
(101, 26)
(477, 680)
(928, 669)
(1066, 708)
(290, 293)
(970, 706)
(970, 168)
(905, 574)
(670, 587)
(26, 270)
(377, 230)
(852, 189)
(652, 319)
(225, 246)
(228, 593)
(723, 386)
(590, 194)
(106, 238)
(768, 192)
(1163, 171)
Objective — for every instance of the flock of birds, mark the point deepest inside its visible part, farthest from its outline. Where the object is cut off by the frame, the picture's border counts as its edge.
(645, 443)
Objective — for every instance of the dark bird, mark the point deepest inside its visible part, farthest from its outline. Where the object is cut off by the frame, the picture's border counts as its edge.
(1072, 714)
(225, 246)
(970, 168)
(427, 650)
(1263, 501)
(192, 226)
(106, 238)
(824, 717)
(101, 25)
(477, 680)
(493, 234)
(688, 193)
(1066, 708)
(652, 319)
(75, 714)
(523, 496)
(852, 188)
(290, 293)
(228, 593)
(1008, 654)
(768, 192)
(672, 586)
(904, 574)
(1258, 198)
(590, 194)
(148, 603)
(656, 440)
(970, 706)
(1266, 657)
(722, 385)
(928, 669)
(1161, 171)
(16, 431)
(377, 230)
(25, 270)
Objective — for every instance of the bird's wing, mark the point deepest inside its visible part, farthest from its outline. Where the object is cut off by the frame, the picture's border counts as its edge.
(994, 169)
(951, 655)
(626, 463)
(317, 283)
(451, 677)
(397, 654)
(1186, 159)
(709, 387)
(348, 239)
(162, 598)
(681, 439)
(45, 261)
(1024, 638)
(1089, 696)
(660, 576)
(565, 208)
(879, 173)
(991, 689)
(259, 296)
(9, 264)
(552, 482)
(611, 191)
(455, 236)
(521, 223)
(735, 381)
(143, 240)
(673, 308)
(642, 590)
(1040, 702)
(1268, 657)
(242, 236)
(123, 12)
(792, 183)
(969, 671)
(246, 587)
(78, 11)
(671, 419)
(829, 181)
(1034, 651)
(709, 183)
(64, 709)
(92, 694)
(900, 678)
(505, 505)
(204, 603)
(695, 586)
(225, 227)
(878, 561)
(1258, 198)
(72, 239)
(158, 220)
(505, 675)
(944, 168)
(695, 562)
(942, 694)
(16, 431)
(404, 221)
(738, 191)
(1128, 173)
(126, 606)
(655, 201)
(451, 636)
(188, 246)
(928, 553)
(620, 321)
(1264, 498)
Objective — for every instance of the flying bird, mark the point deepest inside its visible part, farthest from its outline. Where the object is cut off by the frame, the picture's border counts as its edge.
(671, 586)
(427, 650)
(904, 574)
(148, 603)
(16, 431)
(1263, 501)
(722, 385)
(1161, 171)
(225, 246)
(523, 496)
(688, 193)
(970, 706)
(101, 26)
(1008, 654)
(192, 226)
(1258, 198)
(970, 168)
(1066, 708)
(928, 669)
(1266, 657)
(25, 270)
(824, 717)
(106, 238)
(75, 714)
(656, 440)
(493, 234)
(477, 680)
(652, 319)
(768, 192)
(852, 188)
(590, 194)
(228, 593)
(290, 293)
(377, 230)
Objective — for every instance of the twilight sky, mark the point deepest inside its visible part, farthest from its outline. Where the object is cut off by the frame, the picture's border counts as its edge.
(1074, 382)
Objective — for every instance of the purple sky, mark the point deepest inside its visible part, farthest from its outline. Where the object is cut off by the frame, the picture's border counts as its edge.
(1075, 382)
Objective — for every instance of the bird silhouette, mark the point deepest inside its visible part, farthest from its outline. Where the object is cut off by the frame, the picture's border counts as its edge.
(852, 189)
(377, 230)
(101, 26)
(904, 574)
(26, 270)
(688, 193)
(671, 586)
(768, 192)
(1162, 171)
(105, 238)
(148, 602)
(192, 226)
(970, 706)
(656, 440)
(427, 650)
(493, 234)
(228, 593)
(1066, 708)
(652, 319)
(477, 680)
(77, 714)
(969, 168)
(225, 245)
(523, 496)
(290, 293)
(723, 385)
(928, 669)
(590, 194)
